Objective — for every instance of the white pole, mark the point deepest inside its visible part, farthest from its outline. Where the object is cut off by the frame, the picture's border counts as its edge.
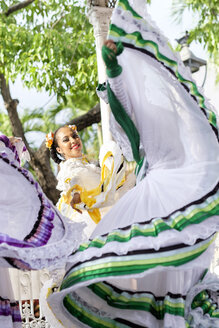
(99, 17)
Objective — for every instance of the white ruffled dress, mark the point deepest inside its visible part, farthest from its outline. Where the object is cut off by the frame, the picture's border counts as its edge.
(33, 234)
(77, 171)
(145, 263)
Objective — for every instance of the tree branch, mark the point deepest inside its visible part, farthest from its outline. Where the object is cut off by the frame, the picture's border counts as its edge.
(11, 107)
(6, 95)
(91, 117)
(18, 6)
(40, 160)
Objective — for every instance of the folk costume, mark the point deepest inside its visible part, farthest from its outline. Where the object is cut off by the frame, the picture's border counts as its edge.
(97, 185)
(33, 234)
(146, 263)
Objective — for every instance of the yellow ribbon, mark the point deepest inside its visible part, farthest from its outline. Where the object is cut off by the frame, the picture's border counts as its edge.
(88, 197)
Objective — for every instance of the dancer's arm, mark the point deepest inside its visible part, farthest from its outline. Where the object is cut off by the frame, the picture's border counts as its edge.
(14, 140)
(16, 148)
(110, 51)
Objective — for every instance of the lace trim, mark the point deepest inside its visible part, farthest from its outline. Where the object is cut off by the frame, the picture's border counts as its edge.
(35, 252)
(48, 256)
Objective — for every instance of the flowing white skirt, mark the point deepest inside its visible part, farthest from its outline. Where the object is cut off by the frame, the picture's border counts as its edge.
(33, 235)
(145, 263)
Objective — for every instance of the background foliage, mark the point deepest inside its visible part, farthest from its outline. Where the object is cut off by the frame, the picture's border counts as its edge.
(206, 30)
(49, 44)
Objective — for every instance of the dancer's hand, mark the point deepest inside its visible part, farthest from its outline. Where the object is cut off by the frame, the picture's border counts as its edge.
(110, 44)
(117, 48)
(110, 51)
(14, 140)
(76, 200)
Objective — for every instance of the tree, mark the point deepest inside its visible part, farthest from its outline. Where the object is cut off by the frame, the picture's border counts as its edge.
(50, 45)
(206, 30)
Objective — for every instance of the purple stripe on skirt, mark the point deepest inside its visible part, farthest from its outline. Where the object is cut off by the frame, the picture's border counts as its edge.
(8, 308)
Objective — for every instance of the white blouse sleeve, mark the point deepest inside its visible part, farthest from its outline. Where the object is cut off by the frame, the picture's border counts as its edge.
(119, 89)
(119, 135)
(68, 176)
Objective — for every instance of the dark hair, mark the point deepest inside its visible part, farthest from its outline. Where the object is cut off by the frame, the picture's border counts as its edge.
(53, 151)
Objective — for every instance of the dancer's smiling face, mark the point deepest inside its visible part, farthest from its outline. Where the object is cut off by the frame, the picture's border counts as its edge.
(69, 143)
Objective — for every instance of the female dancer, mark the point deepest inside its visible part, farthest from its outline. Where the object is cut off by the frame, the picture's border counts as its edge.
(146, 262)
(84, 187)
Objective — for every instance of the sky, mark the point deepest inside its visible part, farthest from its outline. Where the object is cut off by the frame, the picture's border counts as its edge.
(160, 12)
